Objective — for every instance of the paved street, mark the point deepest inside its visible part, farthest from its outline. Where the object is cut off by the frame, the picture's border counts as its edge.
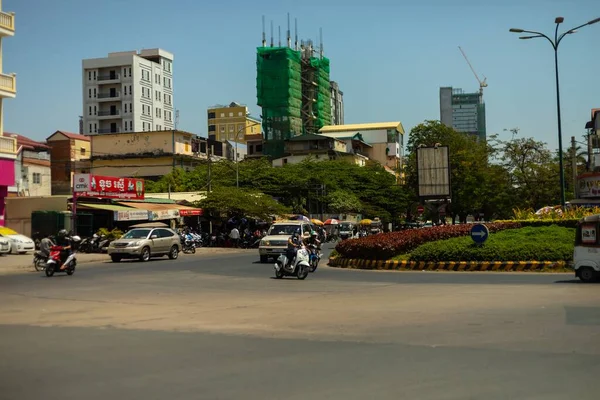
(219, 327)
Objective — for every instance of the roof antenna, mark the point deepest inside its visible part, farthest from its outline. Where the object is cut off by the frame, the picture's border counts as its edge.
(321, 41)
(264, 37)
(289, 39)
(279, 29)
(296, 34)
(271, 33)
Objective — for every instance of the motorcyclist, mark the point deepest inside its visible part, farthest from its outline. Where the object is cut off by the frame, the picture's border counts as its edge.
(45, 246)
(63, 240)
(294, 242)
(314, 239)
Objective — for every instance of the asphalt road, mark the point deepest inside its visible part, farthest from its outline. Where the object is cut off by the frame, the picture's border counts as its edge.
(219, 327)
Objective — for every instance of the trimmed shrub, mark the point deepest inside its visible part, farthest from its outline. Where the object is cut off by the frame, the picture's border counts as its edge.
(567, 223)
(387, 245)
(550, 243)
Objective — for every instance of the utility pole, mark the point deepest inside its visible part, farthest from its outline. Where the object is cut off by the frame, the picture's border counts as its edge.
(574, 164)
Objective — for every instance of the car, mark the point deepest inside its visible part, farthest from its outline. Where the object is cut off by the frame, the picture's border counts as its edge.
(4, 245)
(20, 244)
(274, 243)
(144, 243)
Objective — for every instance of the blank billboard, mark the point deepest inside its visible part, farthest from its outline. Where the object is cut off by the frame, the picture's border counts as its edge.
(433, 172)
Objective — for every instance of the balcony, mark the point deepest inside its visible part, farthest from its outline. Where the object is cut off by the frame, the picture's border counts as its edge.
(8, 147)
(110, 96)
(7, 24)
(109, 78)
(109, 114)
(8, 85)
(108, 130)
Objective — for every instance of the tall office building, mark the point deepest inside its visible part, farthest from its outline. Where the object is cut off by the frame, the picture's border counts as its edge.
(465, 112)
(128, 92)
(232, 122)
(337, 104)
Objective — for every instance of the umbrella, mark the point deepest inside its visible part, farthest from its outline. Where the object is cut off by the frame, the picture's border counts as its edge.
(317, 222)
(332, 222)
(301, 218)
(365, 222)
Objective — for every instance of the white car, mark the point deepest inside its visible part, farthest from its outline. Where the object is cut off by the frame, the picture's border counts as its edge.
(275, 243)
(18, 243)
(4, 245)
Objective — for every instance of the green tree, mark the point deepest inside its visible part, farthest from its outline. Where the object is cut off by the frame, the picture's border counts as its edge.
(344, 202)
(230, 201)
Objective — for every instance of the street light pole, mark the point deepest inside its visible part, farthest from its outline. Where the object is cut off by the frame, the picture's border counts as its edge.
(555, 43)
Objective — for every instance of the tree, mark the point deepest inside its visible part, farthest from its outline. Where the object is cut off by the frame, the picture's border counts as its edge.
(230, 201)
(343, 202)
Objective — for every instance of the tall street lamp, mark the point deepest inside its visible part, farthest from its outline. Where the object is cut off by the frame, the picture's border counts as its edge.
(555, 43)
(237, 161)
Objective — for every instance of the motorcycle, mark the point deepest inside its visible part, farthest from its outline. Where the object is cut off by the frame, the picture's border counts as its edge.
(314, 256)
(54, 264)
(299, 267)
(40, 259)
(188, 246)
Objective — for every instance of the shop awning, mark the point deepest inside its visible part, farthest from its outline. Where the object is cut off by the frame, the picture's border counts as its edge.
(164, 211)
(105, 207)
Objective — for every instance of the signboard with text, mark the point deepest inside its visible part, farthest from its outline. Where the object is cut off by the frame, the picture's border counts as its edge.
(108, 187)
(588, 185)
(163, 214)
(131, 215)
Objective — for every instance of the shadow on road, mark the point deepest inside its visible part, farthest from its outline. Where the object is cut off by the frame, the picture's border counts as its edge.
(577, 281)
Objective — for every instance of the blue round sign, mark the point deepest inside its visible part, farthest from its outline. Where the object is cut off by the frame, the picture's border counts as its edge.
(479, 233)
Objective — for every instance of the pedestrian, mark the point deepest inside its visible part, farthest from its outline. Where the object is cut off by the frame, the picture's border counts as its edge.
(234, 235)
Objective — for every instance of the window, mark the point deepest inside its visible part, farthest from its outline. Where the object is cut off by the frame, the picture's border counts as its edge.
(130, 74)
(240, 114)
(126, 126)
(130, 91)
(259, 148)
(94, 75)
(90, 111)
(211, 128)
(95, 128)
(159, 79)
(90, 93)
(222, 115)
(94, 92)
(130, 122)
(124, 72)
(89, 75)
(231, 114)
(125, 90)
(91, 128)
(82, 151)
(158, 112)
(231, 128)
(95, 111)
(211, 115)
(130, 107)
(37, 178)
(222, 128)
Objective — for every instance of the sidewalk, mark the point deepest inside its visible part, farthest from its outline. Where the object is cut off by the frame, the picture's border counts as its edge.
(21, 263)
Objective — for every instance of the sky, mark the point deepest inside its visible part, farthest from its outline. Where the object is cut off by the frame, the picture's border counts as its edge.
(390, 57)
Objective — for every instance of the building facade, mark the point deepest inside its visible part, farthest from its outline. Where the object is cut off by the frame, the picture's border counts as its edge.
(32, 168)
(464, 112)
(320, 148)
(386, 141)
(8, 90)
(128, 92)
(337, 104)
(232, 122)
(69, 155)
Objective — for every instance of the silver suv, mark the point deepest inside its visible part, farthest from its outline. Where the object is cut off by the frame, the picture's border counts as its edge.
(144, 243)
(275, 243)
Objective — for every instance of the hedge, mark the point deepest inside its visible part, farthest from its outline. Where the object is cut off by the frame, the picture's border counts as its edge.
(387, 245)
(567, 223)
(550, 243)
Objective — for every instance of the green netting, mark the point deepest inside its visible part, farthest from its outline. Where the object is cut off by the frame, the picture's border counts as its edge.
(279, 93)
(322, 106)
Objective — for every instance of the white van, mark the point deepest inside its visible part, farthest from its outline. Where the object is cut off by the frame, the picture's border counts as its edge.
(275, 243)
(586, 256)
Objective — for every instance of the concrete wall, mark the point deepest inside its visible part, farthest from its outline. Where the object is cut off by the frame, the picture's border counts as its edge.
(132, 167)
(158, 142)
(19, 209)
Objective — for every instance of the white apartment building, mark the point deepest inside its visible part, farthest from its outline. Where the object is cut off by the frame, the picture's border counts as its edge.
(128, 92)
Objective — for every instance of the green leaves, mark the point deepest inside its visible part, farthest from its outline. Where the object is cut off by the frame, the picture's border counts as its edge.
(230, 201)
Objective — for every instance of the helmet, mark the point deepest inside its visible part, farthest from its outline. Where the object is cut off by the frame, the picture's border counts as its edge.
(62, 233)
(313, 233)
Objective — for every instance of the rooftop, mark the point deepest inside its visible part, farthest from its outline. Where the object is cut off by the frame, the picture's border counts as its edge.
(27, 143)
(75, 136)
(363, 127)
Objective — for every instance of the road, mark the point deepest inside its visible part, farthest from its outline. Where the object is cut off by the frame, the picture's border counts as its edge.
(219, 327)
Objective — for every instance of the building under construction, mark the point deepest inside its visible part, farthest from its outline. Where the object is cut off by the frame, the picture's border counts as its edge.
(293, 90)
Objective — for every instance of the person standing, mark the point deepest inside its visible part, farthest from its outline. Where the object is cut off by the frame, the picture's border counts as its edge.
(234, 235)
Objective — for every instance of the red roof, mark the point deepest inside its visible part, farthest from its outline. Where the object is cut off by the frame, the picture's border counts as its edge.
(27, 143)
(70, 135)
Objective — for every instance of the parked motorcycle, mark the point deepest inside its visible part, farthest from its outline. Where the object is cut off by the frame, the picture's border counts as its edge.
(53, 265)
(314, 256)
(187, 246)
(299, 267)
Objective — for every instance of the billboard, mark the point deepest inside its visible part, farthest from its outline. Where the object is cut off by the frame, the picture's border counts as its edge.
(588, 186)
(433, 172)
(108, 187)
(131, 215)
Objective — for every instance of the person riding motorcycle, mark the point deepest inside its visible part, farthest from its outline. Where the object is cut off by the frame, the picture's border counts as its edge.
(294, 242)
(63, 240)
(314, 239)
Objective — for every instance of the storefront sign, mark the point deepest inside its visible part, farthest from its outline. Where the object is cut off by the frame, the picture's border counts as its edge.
(588, 233)
(108, 187)
(589, 186)
(189, 213)
(163, 214)
(131, 215)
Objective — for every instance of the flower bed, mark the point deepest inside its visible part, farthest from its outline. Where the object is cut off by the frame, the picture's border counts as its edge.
(387, 245)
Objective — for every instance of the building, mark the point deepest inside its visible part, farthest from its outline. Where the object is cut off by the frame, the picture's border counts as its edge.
(322, 148)
(386, 141)
(32, 168)
(232, 122)
(254, 148)
(8, 90)
(149, 154)
(337, 104)
(69, 155)
(128, 92)
(233, 148)
(465, 112)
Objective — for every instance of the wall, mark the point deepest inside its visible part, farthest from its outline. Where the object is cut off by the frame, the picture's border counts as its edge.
(141, 143)
(76, 146)
(60, 155)
(19, 209)
(279, 162)
(44, 188)
(7, 172)
(134, 167)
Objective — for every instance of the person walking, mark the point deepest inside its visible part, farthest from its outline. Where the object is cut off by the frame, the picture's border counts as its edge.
(234, 235)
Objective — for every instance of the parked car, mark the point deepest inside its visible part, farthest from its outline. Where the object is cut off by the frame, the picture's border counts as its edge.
(18, 243)
(144, 243)
(4, 245)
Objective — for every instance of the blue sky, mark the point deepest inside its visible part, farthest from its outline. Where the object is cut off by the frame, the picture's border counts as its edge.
(389, 57)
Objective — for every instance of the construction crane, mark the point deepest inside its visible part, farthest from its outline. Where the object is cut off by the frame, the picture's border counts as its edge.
(482, 83)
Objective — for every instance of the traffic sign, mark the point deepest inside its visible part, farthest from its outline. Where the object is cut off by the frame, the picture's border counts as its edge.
(420, 209)
(479, 233)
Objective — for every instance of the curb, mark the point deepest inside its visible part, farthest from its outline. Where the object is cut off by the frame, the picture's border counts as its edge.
(499, 266)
